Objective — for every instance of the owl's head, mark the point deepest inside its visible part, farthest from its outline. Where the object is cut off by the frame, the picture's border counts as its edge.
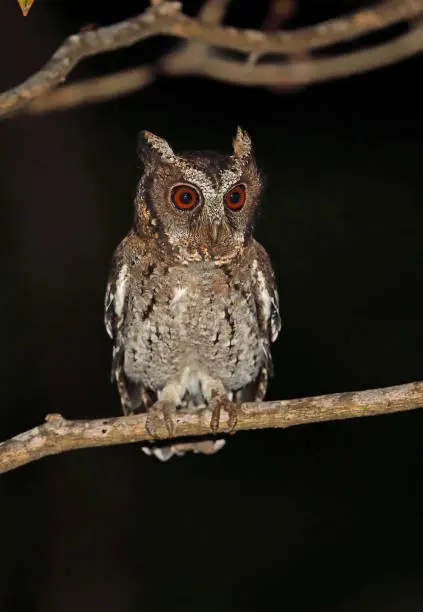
(199, 204)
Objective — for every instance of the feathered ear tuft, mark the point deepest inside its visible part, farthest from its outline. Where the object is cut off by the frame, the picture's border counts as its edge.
(151, 147)
(242, 144)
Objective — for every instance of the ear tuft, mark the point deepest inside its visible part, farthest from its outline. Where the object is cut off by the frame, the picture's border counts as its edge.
(242, 144)
(151, 147)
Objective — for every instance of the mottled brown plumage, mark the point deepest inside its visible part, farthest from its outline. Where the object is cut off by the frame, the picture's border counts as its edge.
(191, 303)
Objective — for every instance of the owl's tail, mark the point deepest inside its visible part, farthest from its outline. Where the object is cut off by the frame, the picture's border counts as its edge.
(206, 447)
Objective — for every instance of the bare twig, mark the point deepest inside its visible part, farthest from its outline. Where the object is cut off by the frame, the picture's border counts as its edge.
(195, 59)
(278, 14)
(305, 71)
(189, 56)
(212, 12)
(85, 44)
(93, 90)
(165, 18)
(58, 435)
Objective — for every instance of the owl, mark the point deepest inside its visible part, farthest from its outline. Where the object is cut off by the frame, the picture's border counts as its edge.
(191, 302)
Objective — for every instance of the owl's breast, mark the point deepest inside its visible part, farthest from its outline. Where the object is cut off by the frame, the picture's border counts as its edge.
(194, 316)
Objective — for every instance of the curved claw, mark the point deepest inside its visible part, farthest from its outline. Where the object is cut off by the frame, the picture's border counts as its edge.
(219, 403)
(161, 414)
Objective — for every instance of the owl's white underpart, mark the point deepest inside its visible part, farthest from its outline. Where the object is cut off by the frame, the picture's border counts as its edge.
(206, 447)
(195, 383)
(191, 303)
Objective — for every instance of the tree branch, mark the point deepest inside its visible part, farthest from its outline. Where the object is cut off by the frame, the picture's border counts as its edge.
(299, 71)
(58, 435)
(165, 18)
(94, 90)
(197, 60)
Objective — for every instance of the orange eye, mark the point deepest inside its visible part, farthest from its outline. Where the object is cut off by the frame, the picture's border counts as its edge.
(184, 197)
(235, 198)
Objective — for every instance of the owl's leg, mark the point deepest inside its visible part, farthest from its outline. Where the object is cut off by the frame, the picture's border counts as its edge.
(163, 411)
(218, 400)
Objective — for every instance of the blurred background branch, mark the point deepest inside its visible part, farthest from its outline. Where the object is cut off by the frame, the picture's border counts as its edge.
(58, 434)
(296, 66)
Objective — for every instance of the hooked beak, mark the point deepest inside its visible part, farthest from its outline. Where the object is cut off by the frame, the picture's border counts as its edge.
(214, 230)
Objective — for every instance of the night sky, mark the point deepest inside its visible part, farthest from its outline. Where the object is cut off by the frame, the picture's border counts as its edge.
(314, 518)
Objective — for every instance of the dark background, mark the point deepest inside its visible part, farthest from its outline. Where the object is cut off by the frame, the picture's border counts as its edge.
(321, 517)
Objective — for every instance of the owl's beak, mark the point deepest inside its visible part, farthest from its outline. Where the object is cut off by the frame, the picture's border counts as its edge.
(214, 230)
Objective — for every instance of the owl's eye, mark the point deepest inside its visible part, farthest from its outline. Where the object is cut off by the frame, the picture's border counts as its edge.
(235, 198)
(184, 197)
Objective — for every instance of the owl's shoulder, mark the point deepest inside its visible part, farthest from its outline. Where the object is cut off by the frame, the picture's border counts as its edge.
(131, 252)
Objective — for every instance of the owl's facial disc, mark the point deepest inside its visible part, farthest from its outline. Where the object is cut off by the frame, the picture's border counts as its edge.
(186, 197)
(200, 204)
(213, 216)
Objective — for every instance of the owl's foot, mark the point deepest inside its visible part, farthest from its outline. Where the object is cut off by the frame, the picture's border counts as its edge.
(218, 403)
(161, 414)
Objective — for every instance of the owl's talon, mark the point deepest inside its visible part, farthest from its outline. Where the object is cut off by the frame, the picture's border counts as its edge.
(219, 403)
(215, 419)
(153, 424)
(160, 413)
(168, 413)
(233, 417)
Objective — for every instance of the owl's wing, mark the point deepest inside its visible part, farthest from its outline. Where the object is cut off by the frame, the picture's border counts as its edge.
(266, 295)
(128, 254)
(115, 302)
(267, 301)
(267, 307)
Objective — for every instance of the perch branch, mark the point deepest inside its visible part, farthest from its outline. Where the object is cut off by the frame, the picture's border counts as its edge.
(58, 435)
(166, 18)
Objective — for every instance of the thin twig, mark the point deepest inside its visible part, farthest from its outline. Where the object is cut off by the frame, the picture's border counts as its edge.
(165, 18)
(94, 90)
(85, 44)
(213, 11)
(91, 90)
(303, 72)
(196, 60)
(58, 435)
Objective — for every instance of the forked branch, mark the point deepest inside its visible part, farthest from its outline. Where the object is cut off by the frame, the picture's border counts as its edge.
(206, 32)
(58, 435)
